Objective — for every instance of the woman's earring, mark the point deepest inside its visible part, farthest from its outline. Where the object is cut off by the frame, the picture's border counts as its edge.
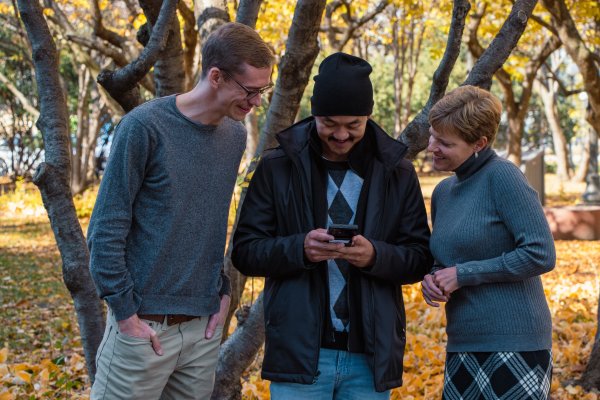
(477, 154)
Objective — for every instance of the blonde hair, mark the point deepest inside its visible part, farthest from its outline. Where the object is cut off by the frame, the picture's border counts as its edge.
(233, 44)
(468, 111)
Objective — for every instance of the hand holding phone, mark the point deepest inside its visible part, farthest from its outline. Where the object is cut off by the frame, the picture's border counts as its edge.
(342, 233)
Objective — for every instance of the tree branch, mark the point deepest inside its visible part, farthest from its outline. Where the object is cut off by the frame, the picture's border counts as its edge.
(562, 88)
(94, 44)
(352, 28)
(247, 12)
(19, 96)
(505, 41)
(416, 133)
(122, 84)
(101, 31)
(190, 39)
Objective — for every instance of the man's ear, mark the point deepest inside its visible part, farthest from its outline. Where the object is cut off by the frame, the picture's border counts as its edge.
(214, 77)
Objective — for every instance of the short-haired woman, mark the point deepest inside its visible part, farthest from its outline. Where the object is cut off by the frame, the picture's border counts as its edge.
(491, 243)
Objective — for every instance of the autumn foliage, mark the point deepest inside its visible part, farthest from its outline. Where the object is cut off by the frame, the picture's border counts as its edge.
(40, 349)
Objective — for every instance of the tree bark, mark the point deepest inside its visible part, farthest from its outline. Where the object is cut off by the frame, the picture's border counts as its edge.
(516, 109)
(504, 42)
(247, 12)
(399, 51)
(190, 38)
(591, 376)
(122, 84)
(239, 351)
(353, 25)
(584, 163)
(210, 14)
(301, 52)
(52, 178)
(547, 89)
(169, 71)
(416, 133)
(586, 60)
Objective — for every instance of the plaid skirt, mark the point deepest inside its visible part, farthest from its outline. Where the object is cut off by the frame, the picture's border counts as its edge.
(523, 375)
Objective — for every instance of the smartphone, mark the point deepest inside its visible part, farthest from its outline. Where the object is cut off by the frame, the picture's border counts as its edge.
(342, 233)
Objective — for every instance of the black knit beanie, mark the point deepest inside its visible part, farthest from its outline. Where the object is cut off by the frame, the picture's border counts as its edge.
(343, 87)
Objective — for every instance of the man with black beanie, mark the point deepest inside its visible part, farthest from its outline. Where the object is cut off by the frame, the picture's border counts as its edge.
(334, 312)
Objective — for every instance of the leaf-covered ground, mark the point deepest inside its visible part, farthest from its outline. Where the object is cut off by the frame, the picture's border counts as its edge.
(40, 349)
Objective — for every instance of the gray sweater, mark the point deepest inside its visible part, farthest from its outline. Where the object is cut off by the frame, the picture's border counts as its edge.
(158, 229)
(488, 222)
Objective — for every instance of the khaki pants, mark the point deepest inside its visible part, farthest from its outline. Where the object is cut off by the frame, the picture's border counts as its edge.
(128, 368)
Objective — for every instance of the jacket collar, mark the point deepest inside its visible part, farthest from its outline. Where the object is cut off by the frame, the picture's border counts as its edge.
(376, 142)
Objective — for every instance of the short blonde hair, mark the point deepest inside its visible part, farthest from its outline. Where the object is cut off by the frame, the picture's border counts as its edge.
(468, 111)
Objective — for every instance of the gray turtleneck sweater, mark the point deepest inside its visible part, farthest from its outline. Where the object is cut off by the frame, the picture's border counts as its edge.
(489, 223)
(158, 230)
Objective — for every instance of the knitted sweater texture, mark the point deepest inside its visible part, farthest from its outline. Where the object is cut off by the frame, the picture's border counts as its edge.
(489, 223)
(158, 229)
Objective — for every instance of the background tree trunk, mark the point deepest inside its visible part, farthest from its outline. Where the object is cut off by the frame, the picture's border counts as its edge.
(52, 178)
(210, 14)
(239, 351)
(294, 72)
(591, 376)
(587, 62)
(169, 71)
(547, 89)
(302, 49)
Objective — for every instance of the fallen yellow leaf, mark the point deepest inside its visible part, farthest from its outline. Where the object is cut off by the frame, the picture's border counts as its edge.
(25, 376)
(6, 396)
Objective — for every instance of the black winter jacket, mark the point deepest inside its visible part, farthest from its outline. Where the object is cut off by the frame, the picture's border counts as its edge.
(269, 241)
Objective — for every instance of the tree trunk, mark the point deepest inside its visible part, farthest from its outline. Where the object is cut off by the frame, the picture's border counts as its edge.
(294, 72)
(169, 70)
(122, 84)
(190, 38)
(586, 60)
(302, 49)
(547, 89)
(210, 14)
(416, 133)
(399, 51)
(89, 109)
(591, 376)
(239, 352)
(52, 178)
(584, 164)
(515, 134)
(247, 12)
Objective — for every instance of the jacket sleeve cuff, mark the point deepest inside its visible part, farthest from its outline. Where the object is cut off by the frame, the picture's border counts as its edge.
(369, 269)
(225, 285)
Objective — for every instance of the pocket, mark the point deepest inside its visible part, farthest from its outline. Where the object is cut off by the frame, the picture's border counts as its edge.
(123, 337)
(108, 331)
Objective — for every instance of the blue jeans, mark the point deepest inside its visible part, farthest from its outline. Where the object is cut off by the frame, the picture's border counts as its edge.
(343, 376)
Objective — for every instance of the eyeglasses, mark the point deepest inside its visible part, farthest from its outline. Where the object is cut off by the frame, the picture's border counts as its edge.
(250, 93)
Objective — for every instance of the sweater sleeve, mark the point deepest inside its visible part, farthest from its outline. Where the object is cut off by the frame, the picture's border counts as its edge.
(112, 217)
(257, 249)
(520, 210)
